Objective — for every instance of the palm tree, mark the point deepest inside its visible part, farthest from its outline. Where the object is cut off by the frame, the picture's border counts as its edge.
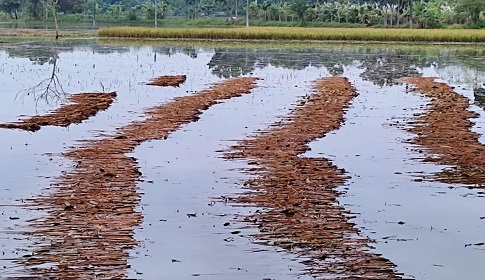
(299, 8)
(471, 9)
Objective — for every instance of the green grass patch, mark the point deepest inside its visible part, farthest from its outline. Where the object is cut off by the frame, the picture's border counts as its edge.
(300, 33)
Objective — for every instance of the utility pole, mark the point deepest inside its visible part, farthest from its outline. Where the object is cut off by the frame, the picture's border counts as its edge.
(156, 23)
(410, 13)
(94, 13)
(247, 13)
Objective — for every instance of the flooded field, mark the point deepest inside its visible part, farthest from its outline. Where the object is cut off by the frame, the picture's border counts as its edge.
(170, 161)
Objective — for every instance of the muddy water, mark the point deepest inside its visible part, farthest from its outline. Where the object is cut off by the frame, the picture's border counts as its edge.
(189, 180)
(183, 233)
(30, 161)
(423, 227)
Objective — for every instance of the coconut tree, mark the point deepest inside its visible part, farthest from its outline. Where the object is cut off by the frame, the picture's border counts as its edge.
(427, 14)
(207, 7)
(447, 13)
(275, 11)
(163, 9)
(34, 9)
(314, 12)
(147, 9)
(327, 12)
(410, 7)
(299, 9)
(471, 9)
(10, 6)
(286, 11)
(92, 7)
(115, 10)
(191, 8)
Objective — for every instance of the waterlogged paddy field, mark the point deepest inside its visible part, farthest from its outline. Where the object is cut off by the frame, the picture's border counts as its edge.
(182, 223)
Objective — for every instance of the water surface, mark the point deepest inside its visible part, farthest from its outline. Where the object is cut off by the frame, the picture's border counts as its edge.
(184, 174)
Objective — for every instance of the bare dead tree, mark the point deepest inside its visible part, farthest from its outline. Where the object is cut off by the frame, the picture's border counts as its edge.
(54, 14)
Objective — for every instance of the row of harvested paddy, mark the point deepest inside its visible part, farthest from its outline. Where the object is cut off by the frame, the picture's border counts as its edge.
(189, 229)
(300, 34)
(411, 36)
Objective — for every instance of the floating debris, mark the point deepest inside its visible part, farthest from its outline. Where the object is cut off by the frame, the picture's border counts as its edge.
(167, 81)
(92, 213)
(81, 107)
(299, 195)
(443, 132)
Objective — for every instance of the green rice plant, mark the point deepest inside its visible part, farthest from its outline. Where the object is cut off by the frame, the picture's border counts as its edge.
(299, 33)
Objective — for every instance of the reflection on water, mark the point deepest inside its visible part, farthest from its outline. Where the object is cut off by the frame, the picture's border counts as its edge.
(38, 54)
(48, 90)
(381, 66)
(86, 65)
(479, 94)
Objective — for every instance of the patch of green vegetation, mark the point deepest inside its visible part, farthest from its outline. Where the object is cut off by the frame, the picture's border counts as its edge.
(179, 22)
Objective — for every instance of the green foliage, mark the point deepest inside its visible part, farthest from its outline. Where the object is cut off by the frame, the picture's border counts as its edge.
(70, 6)
(427, 14)
(299, 9)
(148, 9)
(91, 6)
(470, 9)
(307, 24)
(389, 13)
(11, 7)
(34, 9)
(132, 16)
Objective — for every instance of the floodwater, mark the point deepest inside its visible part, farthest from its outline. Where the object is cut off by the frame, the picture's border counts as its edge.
(421, 226)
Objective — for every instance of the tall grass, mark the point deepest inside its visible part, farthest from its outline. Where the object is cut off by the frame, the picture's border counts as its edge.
(299, 33)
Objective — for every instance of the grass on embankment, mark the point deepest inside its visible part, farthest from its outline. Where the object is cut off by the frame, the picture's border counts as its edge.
(300, 33)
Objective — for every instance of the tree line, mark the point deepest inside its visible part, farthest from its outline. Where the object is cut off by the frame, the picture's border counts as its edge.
(383, 13)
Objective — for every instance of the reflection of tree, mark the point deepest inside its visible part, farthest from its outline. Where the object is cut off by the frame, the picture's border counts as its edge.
(38, 53)
(462, 66)
(50, 89)
(386, 67)
(38, 56)
(11, 6)
(169, 51)
(101, 49)
(336, 70)
(191, 52)
(479, 94)
(381, 66)
(463, 57)
(229, 63)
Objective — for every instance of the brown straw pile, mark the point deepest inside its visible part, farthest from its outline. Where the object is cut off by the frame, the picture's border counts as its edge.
(444, 134)
(92, 209)
(167, 81)
(299, 196)
(81, 107)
